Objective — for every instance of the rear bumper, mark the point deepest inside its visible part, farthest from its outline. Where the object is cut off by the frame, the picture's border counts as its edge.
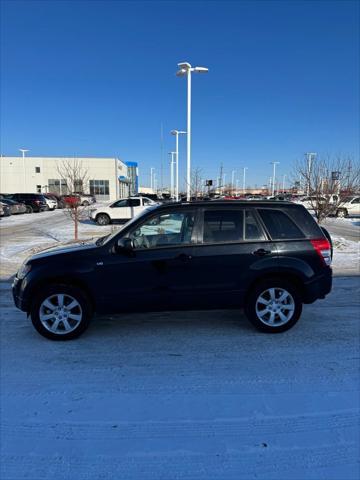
(318, 287)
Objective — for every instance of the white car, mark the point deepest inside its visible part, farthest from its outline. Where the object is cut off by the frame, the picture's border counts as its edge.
(349, 206)
(51, 203)
(123, 209)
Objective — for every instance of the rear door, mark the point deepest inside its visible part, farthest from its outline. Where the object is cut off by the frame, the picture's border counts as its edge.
(354, 206)
(232, 249)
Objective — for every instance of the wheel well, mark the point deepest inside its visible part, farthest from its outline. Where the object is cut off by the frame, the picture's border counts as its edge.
(63, 280)
(289, 277)
(102, 213)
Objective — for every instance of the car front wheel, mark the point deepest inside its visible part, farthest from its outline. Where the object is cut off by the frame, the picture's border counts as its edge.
(342, 213)
(274, 305)
(61, 312)
(102, 219)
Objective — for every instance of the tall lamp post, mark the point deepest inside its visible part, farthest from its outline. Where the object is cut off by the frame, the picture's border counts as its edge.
(177, 133)
(186, 69)
(273, 180)
(152, 170)
(309, 159)
(244, 176)
(172, 189)
(23, 151)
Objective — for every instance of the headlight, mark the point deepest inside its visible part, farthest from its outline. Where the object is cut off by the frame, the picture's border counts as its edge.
(23, 270)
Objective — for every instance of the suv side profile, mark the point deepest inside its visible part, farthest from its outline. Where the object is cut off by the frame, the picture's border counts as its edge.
(122, 209)
(268, 257)
(34, 202)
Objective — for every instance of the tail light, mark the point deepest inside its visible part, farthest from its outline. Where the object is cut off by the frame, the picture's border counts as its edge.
(323, 249)
(37, 202)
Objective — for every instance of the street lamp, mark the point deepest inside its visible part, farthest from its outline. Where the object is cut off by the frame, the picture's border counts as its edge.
(185, 69)
(244, 176)
(273, 181)
(177, 133)
(152, 170)
(172, 192)
(23, 151)
(309, 159)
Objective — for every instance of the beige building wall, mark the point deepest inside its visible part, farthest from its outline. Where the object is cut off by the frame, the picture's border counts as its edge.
(32, 174)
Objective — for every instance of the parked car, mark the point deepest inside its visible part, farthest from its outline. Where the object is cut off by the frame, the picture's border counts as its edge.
(123, 209)
(4, 209)
(15, 207)
(50, 201)
(348, 206)
(34, 202)
(71, 200)
(58, 198)
(86, 199)
(268, 257)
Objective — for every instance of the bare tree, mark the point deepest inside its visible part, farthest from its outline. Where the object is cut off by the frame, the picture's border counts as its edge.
(197, 183)
(327, 180)
(76, 178)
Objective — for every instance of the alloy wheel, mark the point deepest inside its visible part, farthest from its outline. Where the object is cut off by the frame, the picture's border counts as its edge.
(60, 313)
(275, 307)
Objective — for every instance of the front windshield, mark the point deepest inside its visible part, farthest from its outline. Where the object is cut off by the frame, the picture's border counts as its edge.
(107, 238)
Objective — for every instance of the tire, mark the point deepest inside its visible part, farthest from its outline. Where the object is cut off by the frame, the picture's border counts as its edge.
(76, 320)
(291, 305)
(85, 203)
(342, 213)
(102, 219)
(29, 209)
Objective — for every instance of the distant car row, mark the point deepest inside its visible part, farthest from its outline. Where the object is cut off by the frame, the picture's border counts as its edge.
(17, 203)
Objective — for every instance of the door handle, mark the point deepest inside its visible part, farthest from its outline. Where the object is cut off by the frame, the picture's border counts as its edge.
(183, 257)
(261, 252)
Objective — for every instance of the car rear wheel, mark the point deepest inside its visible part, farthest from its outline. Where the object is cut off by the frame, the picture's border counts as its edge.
(29, 209)
(342, 213)
(274, 305)
(103, 219)
(61, 312)
(85, 203)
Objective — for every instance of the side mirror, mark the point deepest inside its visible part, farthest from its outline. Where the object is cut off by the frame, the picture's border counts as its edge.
(124, 246)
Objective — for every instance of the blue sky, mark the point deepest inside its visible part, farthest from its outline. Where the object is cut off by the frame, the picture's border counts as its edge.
(98, 78)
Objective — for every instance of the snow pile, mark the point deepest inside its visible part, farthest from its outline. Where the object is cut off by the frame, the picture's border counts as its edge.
(346, 259)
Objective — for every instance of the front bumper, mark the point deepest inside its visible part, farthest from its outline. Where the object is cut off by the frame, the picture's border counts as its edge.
(318, 287)
(17, 289)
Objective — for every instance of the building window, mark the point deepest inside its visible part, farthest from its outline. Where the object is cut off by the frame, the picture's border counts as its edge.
(37, 169)
(38, 188)
(99, 187)
(78, 186)
(56, 187)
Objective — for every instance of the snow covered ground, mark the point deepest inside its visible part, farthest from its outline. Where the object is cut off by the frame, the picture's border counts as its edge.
(195, 395)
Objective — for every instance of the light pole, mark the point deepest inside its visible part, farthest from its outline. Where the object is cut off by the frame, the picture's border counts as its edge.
(23, 151)
(273, 181)
(186, 69)
(177, 133)
(232, 180)
(244, 176)
(172, 189)
(154, 182)
(152, 170)
(309, 158)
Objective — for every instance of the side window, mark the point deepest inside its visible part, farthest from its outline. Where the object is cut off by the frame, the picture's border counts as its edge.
(223, 226)
(252, 228)
(279, 225)
(134, 202)
(146, 201)
(356, 200)
(164, 230)
(120, 203)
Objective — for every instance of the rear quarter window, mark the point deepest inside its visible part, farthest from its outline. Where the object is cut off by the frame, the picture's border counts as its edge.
(279, 225)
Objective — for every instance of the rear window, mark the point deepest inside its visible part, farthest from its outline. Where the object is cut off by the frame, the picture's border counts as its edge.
(279, 225)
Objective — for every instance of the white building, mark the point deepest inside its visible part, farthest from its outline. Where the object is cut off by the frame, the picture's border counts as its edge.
(106, 178)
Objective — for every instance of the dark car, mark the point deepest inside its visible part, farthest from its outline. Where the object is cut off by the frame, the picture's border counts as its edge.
(4, 209)
(15, 207)
(34, 202)
(268, 257)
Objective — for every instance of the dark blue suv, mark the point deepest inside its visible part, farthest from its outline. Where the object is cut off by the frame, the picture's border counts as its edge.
(268, 257)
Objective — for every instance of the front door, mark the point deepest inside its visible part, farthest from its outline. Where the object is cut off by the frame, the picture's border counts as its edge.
(159, 268)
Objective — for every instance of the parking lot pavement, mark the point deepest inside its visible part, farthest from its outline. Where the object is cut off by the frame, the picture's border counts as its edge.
(194, 395)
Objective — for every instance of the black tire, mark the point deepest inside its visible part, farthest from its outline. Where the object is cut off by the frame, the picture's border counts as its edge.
(67, 290)
(102, 219)
(85, 203)
(29, 209)
(258, 290)
(342, 213)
